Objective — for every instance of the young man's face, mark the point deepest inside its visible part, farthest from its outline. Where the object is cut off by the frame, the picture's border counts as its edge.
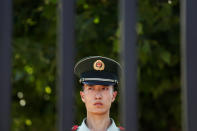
(98, 98)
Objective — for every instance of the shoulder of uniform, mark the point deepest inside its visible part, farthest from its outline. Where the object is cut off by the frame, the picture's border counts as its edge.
(75, 127)
(121, 128)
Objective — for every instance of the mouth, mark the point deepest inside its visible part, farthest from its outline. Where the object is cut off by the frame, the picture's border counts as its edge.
(98, 104)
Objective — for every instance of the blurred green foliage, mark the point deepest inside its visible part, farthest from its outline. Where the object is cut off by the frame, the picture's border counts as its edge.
(34, 95)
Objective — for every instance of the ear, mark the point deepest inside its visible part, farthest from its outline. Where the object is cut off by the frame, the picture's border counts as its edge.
(82, 96)
(114, 95)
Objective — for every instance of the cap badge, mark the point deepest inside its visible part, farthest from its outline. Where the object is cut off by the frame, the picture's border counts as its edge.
(99, 65)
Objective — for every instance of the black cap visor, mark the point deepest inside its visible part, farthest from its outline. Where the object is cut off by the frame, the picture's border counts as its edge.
(94, 82)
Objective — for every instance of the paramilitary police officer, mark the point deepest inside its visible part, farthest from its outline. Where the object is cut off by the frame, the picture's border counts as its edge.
(98, 76)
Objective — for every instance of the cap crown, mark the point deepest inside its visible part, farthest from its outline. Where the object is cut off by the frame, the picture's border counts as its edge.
(97, 67)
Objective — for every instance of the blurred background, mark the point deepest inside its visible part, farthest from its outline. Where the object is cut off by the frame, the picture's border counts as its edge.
(34, 60)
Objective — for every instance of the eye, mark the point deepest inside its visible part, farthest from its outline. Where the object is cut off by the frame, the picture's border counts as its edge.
(90, 88)
(105, 88)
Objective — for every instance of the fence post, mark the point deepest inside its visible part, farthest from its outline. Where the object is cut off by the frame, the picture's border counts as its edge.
(5, 64)
(189, 63)
(129, 41)
(66, 63)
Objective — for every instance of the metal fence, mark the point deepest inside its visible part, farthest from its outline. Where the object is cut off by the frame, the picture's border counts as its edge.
(189, 63)
(66, 63)
(128, 20)
(5, 64)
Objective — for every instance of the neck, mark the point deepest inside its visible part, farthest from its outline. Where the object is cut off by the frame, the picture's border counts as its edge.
(98, 122)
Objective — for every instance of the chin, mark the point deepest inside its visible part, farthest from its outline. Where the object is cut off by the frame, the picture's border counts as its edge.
(99, 111)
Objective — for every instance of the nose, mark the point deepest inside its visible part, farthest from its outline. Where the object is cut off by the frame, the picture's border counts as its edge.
(98, 95)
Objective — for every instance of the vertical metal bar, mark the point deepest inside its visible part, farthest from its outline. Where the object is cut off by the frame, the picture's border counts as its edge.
(128, 19)
(189, 63)
(66, 64)
(5, 64)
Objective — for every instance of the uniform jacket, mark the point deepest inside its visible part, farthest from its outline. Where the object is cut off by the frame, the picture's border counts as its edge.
(112, 127)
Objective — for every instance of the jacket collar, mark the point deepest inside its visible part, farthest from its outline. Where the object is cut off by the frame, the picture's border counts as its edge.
(112, 127)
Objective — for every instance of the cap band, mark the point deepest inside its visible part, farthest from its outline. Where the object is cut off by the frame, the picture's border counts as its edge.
(98, 79)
